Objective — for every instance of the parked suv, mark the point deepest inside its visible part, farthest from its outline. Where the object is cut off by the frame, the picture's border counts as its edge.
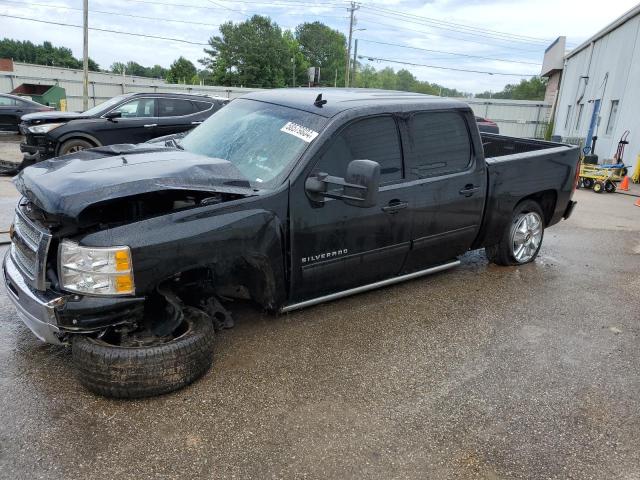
(128, 118)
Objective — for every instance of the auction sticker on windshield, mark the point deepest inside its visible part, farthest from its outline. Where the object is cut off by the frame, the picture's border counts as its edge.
(299, 131)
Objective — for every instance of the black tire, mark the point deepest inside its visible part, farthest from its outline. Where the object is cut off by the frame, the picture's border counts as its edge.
(598, 187)
(74, 145)
(135, 372)
(609, 186)
(587, 182)
(502, 253)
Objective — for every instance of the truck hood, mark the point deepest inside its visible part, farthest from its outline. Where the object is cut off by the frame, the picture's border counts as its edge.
(67, 185)
(49, 117)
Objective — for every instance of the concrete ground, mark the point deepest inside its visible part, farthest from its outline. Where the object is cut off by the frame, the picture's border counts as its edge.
(480, 372)
(10, 147)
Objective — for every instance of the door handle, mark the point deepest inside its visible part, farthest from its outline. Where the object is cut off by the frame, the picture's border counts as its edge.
(196, 123)
(395, 206)
(150, 125)
(469, 190)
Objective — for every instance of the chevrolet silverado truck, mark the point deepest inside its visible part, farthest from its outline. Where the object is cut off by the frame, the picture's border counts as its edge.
(132, 254)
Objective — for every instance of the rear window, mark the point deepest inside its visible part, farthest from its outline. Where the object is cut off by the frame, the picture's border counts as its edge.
(440, 144)
(174, 107)
(202, 106)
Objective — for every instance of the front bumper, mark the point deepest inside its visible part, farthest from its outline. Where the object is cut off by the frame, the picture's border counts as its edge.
(35, 309)
(38, 145)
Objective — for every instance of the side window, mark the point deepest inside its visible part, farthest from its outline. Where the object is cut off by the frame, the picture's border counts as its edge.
(140, 107)
(441, 144)
(374, 139)
(202, 106)
(174, 107)
(6, 101)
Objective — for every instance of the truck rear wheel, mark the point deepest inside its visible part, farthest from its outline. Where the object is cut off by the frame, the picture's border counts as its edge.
(522, 239)
(107, 367)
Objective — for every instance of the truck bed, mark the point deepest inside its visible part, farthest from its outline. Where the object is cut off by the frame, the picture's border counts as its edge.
(519, 168)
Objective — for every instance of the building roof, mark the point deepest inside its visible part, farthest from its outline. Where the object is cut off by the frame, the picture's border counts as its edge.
(341, 99)
(635, 11)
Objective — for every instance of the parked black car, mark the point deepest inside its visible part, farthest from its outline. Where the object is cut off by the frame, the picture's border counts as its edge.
(13, 107)
(129, 118)
(282, 198)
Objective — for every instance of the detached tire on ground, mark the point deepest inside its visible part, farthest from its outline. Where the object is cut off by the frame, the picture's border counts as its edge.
(134, 372)
(74, 145)
(522, 239)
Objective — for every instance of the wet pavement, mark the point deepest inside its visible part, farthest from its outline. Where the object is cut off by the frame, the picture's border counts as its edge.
(480, 372)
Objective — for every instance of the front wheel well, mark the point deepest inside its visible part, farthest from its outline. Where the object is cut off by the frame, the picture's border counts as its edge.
(87, 138)
(546, 199)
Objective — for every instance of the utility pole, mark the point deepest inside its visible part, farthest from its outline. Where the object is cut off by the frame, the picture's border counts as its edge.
(355, 62)
(352, 9)
(85, 56)
(293, 72)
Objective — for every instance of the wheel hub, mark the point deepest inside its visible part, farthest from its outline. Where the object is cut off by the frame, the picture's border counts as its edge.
(526, 237)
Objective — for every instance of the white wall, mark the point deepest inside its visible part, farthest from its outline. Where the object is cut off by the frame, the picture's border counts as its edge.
(612, 64)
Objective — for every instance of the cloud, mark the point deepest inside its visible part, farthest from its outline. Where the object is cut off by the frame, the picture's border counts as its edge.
(544, 19)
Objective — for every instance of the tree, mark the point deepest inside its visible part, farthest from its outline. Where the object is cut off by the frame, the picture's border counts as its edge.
(299, 63)
(325, 48)
(45, 54)
(387, 78)
(405, 81)
(182, 70)
(532, 89)
(252, 53)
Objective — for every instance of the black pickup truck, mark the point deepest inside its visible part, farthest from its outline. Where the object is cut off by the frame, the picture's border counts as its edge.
(286, 198)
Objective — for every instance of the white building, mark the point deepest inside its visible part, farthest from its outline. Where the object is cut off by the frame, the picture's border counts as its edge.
(600, 90)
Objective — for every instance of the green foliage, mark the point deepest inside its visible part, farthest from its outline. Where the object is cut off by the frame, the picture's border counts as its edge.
(253, 53)
(300, 62)
(45, 54)
(325, 48)
(181, 71)
(388, 79)
(532, 89)
(133, 68)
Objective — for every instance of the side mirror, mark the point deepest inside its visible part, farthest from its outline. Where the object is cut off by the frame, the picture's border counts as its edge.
(111, 116)
(359, 188)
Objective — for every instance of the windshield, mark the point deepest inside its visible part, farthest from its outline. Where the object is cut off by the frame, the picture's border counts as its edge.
(261, 139)
(105, 105)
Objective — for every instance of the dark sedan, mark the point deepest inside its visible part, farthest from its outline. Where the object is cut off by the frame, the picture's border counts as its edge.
(129, 118)
(12, 108)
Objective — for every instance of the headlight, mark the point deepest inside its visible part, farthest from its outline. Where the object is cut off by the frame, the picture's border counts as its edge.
(47, 127)
(95, 270)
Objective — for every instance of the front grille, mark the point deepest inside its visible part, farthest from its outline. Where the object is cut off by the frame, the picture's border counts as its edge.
(29, 248)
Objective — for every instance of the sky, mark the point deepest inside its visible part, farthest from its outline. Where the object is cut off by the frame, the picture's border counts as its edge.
(510, 35)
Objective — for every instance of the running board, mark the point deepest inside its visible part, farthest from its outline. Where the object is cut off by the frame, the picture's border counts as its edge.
(370, 286)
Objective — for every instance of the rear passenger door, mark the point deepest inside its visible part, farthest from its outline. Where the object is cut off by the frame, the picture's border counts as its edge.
(176, 115)
(335, 246)
(448, 186)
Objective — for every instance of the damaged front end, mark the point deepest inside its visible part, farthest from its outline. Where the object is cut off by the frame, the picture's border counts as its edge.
(190, 242)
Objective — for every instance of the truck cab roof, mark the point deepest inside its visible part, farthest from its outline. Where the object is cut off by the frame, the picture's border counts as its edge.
(341, 99)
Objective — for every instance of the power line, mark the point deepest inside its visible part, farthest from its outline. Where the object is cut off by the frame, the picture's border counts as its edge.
(119, 14)
(459, 26)
(402, 28)
(449, 53)
(446, 68)
(105, 30)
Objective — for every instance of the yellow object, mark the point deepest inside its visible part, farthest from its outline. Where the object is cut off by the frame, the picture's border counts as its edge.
(63, 104)
(636, 171)
(122, 260)
(124, 283)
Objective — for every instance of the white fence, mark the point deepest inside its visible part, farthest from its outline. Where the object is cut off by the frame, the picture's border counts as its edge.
(518, 118)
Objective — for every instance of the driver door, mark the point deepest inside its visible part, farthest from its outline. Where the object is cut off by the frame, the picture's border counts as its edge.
(138, 123)
(336, 246)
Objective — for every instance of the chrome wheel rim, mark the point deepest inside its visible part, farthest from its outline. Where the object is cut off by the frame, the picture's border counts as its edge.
(526, 237)
(76, 148)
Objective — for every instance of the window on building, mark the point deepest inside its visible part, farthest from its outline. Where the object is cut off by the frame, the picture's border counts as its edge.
(613, 113)
(580, 109)
(566, 120)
